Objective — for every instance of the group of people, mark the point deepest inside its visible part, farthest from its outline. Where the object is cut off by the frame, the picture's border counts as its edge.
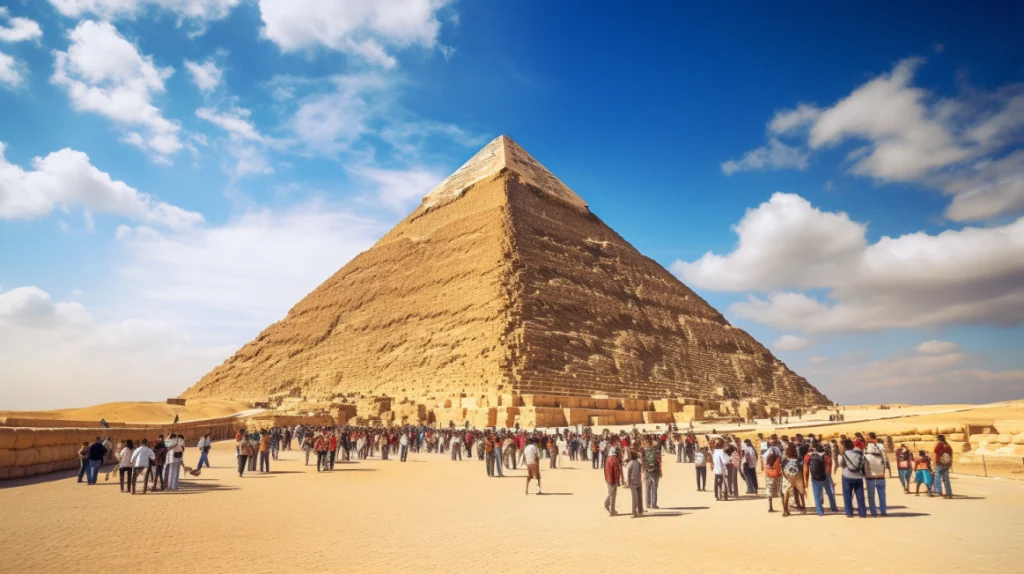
(160, 461)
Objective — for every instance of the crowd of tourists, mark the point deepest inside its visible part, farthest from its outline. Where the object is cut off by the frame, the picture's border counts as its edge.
(160, 461)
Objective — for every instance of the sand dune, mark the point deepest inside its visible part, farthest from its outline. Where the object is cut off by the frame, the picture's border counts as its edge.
(138, 412)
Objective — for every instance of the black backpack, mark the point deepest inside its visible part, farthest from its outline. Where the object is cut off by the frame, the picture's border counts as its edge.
(817, 467)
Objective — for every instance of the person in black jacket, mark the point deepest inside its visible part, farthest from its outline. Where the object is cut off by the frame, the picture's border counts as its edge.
(96, 453)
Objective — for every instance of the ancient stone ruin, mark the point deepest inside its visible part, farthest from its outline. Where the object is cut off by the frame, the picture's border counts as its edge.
(500, 300)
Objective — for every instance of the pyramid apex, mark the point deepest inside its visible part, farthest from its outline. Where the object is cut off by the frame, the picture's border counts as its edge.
(501, 153)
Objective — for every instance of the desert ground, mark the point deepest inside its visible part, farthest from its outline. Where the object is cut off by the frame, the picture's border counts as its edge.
(437, 515)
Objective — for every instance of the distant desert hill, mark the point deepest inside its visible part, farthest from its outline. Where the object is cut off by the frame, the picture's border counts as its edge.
(138, 412)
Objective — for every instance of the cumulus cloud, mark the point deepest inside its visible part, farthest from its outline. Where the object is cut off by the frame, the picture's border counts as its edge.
(18, 29)
(67, 178)
(365, 29)
(906, 134)
(105, 74)
(775, 155)
(206, 76)
(113, 9)
(58, 349)
(791, 343)
(234, 120)
(10, 71)
(972, 275)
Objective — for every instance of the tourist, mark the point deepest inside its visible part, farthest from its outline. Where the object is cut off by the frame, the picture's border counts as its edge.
(750, 466)
(142, 459)
(793, 486)
(652, 471)
(874, 474)
(923, 473)
(733, 470)
(124, 459)
(204, 445)
(244, 452)
(817, 473)
(264, 452)
(700, 462)
(403, 445)
(532, 458)
(456, 447)
(602, 449)
(633, 480)
(489, 452)
(83, 461)
(595, 457)
(97, 452)
(853, 478)
(773, 471)
(306, 443)
(175, 458)
(509, 451)
(904, 466)
(332, 447)
(720, 466)
(320, 446)
(612, 477)
(498, 455)
(159, 461)
(943, 464)
(553, 450)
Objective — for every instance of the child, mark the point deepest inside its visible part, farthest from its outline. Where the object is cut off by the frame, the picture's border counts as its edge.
(923, 472)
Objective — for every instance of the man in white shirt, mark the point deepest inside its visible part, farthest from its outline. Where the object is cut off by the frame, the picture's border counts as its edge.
(141, 459)
(204, 445)
(532, 457)
(404, 443)
(720, 461)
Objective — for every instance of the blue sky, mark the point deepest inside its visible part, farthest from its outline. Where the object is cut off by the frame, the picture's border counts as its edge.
(844, 182)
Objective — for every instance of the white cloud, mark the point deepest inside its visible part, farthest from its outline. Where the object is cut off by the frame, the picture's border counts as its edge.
(330, 122)
(206, 76)
(775, 155)
(18, 29)
(55, 354)
(972, 275)
(936, 347)
(112, 9)
(362, 28)
(104, 73)
(402, 189)
(906, 134)
(10, 71)
(235, 120)
(249, 270)
(791, 343)
(66, 177)
(819, 360)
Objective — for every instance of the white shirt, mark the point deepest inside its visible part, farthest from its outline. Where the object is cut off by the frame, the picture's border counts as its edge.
(531, 454)
(720, 460)
(125, 457)
(404, 441)
(203, 442)
(142, 457)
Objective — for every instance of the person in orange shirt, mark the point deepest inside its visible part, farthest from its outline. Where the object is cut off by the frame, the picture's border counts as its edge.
(264, 452)
(332, 449)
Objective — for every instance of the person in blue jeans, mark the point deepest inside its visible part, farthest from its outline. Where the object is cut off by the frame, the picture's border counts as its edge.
(96, 453)
(83, 461)
(943, 462)
(874, 474)
(876, 486)
(818, 475)
(852, 462)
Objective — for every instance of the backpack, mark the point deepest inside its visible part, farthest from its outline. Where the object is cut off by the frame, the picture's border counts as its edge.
(773, 468)
(816, 466)
(791, 469)
(874, 462)
(945, 459)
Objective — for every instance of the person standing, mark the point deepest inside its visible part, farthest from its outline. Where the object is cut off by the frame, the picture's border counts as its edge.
(634, 480)
(749, 466)
(124, 462)
(612, 477)
(923, 473)
(244, 451)
(532, 458)
(816, 473)
(332, 447)
(943, 464)
(306, 443)
(720, 465)
(853, 478)
(874, 474)
(456, 447)
(553, 450)
(700, 462)
(772, 471)
(159, 461)
(652, 472)
(403, 444)
(904, 466)
(793, 485)
(320, 446)
(97, 452)
(175, 458)
(489, 452)
(497, 455)
(142, 460)
(265, 452)
(83, 461)
(204, 445)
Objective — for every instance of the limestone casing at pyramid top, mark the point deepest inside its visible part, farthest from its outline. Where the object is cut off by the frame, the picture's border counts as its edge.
(501, 152)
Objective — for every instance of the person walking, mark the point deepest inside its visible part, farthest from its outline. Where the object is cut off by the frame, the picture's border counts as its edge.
(652, 472)
(204, 445)
(923, 473)
(612, 477)
(244, 451)
(97, 452)
(852, 462)
(532, 458)
(307, 446)
(874, 474)
(793, 485)
(816, 473)
(904, 466)
(634, 482)
(142, 460)
(943, 464)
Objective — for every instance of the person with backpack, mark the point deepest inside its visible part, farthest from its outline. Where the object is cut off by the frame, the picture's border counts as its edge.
(874, 474)
(923, 473)
(904, 466)
(943, 464)
(773, 471)
(700, 462)
(652, 471)
(817, 473)
(793, 486)
(852, 462)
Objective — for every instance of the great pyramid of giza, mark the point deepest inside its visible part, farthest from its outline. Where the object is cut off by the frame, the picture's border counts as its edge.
(502, 289)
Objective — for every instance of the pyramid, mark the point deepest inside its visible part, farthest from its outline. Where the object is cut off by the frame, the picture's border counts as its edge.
(502, 289)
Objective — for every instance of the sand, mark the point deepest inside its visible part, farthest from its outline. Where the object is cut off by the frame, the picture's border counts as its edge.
(434, 514)
(138, 412)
